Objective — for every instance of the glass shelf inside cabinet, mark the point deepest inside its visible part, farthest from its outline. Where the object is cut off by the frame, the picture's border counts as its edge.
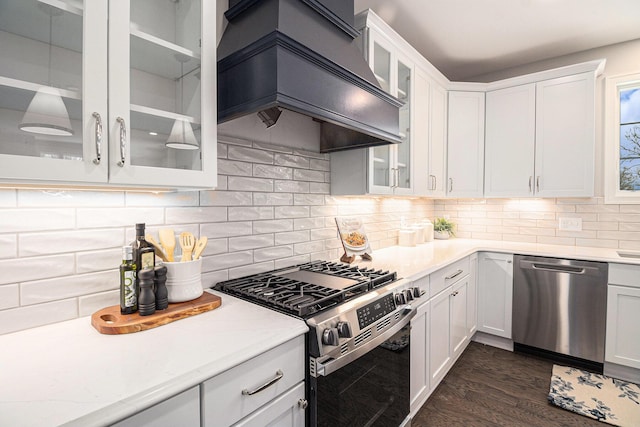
(41, 75)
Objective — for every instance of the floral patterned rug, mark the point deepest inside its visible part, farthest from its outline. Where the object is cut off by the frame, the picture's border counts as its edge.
(596, 396)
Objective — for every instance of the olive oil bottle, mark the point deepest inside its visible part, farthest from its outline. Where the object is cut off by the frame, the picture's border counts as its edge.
(128, 297)
(144, 254)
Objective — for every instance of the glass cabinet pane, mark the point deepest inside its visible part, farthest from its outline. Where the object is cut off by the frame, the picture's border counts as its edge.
(382, 66)
(381, 165)
(41, 78)
(165, 58)
(404, 148)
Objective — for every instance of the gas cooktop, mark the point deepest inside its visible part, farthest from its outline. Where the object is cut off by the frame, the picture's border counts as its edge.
(306, 289)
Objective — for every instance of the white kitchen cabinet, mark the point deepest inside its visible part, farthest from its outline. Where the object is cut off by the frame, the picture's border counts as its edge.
(233, 395)
(459, 331)
(533, 130)
(440, 337)
(430, 127)
(623, 316)
(126, 72)
(388, 169)
(286, 410)
(419, 384)
(472, 296)
(181, 410)
(495, 293)
(465, 144)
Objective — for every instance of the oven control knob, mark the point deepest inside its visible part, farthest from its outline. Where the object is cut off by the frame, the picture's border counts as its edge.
(344, 330)
(408, 294)
(330, 336)
(401, 298)
(417, 293)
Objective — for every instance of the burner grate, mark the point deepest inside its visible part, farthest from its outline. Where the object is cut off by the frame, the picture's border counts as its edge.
(275, 290)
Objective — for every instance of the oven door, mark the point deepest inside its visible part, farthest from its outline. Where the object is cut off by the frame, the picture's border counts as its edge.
(370, 388)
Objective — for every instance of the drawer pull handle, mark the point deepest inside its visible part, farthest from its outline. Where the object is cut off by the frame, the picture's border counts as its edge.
(272, 381)
(456, 274)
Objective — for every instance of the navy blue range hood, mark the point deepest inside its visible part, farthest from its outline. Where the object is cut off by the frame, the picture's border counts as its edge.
(302, 55)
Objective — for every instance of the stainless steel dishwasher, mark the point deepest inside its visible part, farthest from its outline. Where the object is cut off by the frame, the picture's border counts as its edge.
(559, 309)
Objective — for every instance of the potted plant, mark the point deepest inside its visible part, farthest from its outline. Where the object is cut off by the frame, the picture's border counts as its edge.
(443, 228)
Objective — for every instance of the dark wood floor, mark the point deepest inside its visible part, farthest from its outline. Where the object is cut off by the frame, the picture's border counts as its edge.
(492, 387)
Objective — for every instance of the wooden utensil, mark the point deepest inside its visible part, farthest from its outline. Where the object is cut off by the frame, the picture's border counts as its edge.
(159, 252)
(187, 243)
(168, 241)
(200, 245)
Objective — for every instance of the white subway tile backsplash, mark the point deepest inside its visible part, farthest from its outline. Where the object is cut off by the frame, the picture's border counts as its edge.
(63, 198)
(291, 211)
(89, 304)
(291, 186)
(272, 199)
(226, 261)
(226, 198)
(277, 172)
(179, 198)
(99, 218)
(275, 148)
(251, 155)
(272, 226)
(321, 165)
(323, 210)
(195, 215)
(255, 268)
(311, 154)
(216, 246)
(66, 287)
(291, 237)
(23, 269)
(308, 247)
(17, 319)
(222, 151)
(319, 187)
(289, 261)
(307, 223)
(324, 233)
(8, 245)
(229, 229)
(291, 161)
(240, 183)
(8, 198)
(233, 167)
(90, 261)
(211, 278)
(45, 243)
(9, 296)
(271, 253)
(251, 213)
(24, 220)
(308, 199)
(308, 175)
(250, 242)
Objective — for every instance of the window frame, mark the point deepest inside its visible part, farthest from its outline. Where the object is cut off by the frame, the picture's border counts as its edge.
(612, 193)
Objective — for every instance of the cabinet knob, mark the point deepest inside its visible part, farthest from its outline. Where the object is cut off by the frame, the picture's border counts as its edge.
(454, 294)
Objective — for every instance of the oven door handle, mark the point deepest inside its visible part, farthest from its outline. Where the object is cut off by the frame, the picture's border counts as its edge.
(333, 365)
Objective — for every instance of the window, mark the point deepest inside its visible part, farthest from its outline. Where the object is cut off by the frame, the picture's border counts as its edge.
(622, 139)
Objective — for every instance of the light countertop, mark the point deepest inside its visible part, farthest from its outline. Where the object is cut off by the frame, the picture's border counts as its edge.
(69, 374)
(415, 262)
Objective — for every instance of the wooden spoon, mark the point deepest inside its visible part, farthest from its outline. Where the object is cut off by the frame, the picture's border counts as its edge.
(159, 252)
(168, 240)
(187, 243)
(200, 245)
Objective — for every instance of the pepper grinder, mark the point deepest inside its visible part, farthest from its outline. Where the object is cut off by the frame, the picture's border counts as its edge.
(146, 300)
(162, 300)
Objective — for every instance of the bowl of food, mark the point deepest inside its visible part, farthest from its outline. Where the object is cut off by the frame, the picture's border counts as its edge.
(355, 240)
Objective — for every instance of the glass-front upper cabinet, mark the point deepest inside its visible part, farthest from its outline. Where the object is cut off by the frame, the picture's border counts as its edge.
(65, 63)
(390, 165)
(52, 91)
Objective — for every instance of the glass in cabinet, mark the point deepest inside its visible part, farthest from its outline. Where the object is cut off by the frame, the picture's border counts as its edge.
(139, 60)
(390, 165)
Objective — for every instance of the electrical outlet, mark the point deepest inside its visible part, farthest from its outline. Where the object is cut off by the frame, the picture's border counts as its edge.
(570, 224)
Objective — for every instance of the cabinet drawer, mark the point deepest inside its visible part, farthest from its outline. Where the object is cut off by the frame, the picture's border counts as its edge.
(223, 400)
(449, 275)
(624, 274)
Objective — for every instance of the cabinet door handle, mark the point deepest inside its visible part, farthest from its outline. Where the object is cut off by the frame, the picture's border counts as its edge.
(123, 140)
(530, 180)
(432, 178)
(450, 185)
(397, 177)
(272, 381)
(456, 274)
(98, 135)
(538, 184)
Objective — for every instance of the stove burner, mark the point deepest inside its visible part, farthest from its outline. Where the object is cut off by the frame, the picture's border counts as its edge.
(308, 288)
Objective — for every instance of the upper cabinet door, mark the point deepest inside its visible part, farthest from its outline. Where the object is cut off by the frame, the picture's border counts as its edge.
(565, 136)
(403, 183)
(52, 91)
(162, 123)
(510, 141)
(465, 150)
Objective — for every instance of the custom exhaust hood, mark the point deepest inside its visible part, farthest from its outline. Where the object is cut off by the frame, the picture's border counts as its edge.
(301, 55)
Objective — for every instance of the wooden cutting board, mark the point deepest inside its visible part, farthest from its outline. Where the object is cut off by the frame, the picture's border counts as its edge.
(110, 321)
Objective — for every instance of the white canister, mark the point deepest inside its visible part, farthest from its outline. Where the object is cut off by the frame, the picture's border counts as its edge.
(184, 280)
(428, 231)
(407, 237)
(419, 229)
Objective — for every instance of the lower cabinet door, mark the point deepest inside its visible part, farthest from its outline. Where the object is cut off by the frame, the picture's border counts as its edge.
(180, 410)
(495, 293)
(459, 331)
(623, 326)
(287, 410)
(419, 384)
(439, 337)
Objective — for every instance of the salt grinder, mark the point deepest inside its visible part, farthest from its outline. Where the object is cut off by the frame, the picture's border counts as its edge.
(147, 299)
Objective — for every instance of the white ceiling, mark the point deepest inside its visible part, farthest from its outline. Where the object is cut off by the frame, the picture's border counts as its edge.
(467, 38)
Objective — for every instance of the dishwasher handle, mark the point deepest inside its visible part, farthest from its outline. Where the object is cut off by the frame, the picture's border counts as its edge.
(558, 268)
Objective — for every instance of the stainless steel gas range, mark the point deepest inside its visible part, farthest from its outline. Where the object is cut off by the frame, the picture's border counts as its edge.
(358, 342)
